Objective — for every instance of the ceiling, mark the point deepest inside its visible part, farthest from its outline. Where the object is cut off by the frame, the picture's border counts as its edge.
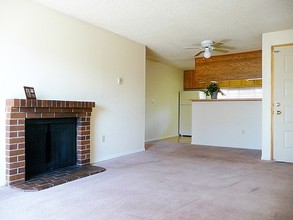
(168, 27)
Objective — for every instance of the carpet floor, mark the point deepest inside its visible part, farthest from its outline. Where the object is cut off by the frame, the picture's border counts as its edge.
(167, 181)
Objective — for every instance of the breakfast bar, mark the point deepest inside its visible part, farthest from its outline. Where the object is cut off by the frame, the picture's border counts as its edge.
(227, 122)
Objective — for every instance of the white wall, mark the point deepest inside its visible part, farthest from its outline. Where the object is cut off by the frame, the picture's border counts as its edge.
(227, 123)
(66, 59)
(163, 84)
(269, 40)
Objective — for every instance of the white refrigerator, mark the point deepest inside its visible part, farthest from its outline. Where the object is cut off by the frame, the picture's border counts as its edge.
(185, 106)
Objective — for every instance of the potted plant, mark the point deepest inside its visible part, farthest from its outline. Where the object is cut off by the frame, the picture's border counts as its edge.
(213, 89)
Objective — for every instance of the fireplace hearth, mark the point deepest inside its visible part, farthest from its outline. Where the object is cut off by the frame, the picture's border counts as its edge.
(57, 177)
(19, 115)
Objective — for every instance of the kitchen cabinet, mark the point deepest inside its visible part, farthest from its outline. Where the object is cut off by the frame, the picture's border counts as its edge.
(188, 79)
(232, 70)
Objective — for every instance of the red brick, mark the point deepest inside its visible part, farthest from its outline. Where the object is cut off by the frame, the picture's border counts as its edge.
(15, 140)
(53, 103)
(11, 134)
(85, 161)
(33, 115)
(15, 165)
(11, 159)
(72, 104)
(15, 115)
(38, 103)
(65, 115)
(42, 110)
(82, 119)
(21, 146)
(81, 128)
(67, 110)
(15, 178)
(83, 142)
(81, 114)
(85, 146)
(11, 172)
(66, 104)
(21, 158)
(62, 104)
(11, 121)
(12, 109)
(80, 138)
(21, 121)
(56, 109)
(23, 103)
(45, 103)
(12, 102)
(21, 134)
(31, 103)
(48, 115)
(84, 151)
(87, 110)
(83, 132)
(77, 109)
(83, 123)
(21, 170)
(26, 109)
(15, 127)
(12, 153)
(80, 157)
(11, 146)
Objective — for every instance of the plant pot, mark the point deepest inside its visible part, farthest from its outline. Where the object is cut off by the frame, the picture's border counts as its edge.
(214, 95)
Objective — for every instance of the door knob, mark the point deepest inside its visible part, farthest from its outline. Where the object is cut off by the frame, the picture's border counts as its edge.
(278, 104)
(279, 112)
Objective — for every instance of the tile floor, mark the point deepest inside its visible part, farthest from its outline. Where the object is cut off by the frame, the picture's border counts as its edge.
(178, 139)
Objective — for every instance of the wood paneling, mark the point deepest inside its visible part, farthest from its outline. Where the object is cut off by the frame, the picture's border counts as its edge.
(230, 70)
(188, 79)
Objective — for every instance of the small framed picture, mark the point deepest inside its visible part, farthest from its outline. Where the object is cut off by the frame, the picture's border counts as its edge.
(29, 92)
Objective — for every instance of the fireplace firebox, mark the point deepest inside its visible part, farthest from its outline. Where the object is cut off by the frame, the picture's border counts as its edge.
(50, 144)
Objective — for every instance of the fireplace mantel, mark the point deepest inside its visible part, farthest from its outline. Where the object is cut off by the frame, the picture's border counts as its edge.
(17, 110)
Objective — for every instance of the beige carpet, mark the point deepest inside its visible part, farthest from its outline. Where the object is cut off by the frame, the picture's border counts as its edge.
(167, 181)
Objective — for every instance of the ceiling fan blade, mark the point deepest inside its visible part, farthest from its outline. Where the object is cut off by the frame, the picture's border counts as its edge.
(200, 52)
(218, 44)
(220, 50)
(227, 47)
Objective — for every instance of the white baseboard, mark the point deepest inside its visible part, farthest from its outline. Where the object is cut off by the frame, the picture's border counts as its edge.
(119, 155)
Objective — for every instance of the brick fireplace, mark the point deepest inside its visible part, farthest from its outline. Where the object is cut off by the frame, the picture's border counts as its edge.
(17, 110)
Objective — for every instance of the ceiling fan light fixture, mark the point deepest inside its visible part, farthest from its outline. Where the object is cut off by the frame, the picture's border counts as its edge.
(207, 53)
(207, 46)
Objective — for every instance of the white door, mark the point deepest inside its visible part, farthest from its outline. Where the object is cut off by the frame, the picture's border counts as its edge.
(283, 104)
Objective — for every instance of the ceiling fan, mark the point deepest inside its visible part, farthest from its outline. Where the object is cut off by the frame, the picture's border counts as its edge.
(207, 46)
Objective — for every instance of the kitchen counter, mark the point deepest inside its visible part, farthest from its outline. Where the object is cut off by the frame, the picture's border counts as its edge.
(225, 100)
(227, 122)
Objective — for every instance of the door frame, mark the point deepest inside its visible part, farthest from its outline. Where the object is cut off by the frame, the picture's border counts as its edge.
(273, 95)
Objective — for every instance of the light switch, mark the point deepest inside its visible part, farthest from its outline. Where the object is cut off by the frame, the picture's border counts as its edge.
(119, 80)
